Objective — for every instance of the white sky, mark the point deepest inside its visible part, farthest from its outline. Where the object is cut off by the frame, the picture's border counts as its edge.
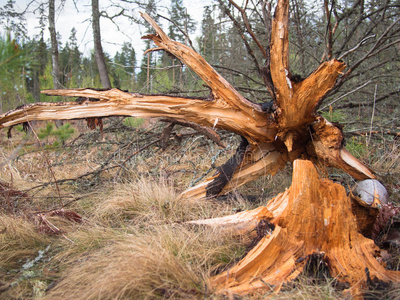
(69, 17)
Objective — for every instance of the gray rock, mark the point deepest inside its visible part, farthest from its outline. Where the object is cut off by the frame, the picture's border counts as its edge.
(366, 190)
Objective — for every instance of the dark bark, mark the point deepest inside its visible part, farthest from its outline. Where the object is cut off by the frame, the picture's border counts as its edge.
(98, 49)
(225, 172)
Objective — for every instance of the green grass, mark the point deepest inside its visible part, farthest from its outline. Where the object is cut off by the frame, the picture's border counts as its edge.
(133, 122)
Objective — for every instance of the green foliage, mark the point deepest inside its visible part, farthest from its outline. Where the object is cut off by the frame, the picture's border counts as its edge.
(12, 74)
(62, 134)
(123, 69)
(356, 147)
(133, 122)
(207, 41)
(11, 56)
(46, 81)
(70, 61)
(334, 116)
(19, 128)
(181, 19)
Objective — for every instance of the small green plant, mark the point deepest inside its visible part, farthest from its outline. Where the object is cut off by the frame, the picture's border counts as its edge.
(133, 122)
(62, 134)
(356, 147)
(334, 116)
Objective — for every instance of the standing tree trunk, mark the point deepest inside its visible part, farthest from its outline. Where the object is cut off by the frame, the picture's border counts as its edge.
(314, 216)
(54, 46)
(98, 49)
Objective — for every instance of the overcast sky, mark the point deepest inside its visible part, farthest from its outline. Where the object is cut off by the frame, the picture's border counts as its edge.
(68, 17)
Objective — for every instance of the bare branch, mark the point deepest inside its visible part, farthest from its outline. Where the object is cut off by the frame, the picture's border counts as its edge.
(328, 31)
(362, 42)
(345, 95)
(364, 104)
(370, 53)
(180, 29)
(241, 33)
(248, 26)
(266, 10)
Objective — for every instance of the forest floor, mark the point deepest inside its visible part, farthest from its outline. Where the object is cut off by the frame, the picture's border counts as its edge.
(100, 218)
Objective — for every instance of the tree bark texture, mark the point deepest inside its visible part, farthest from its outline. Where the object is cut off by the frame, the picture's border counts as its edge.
(54, 46)
(98, 49)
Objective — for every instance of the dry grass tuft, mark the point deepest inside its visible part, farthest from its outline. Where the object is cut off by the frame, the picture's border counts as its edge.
(394, 293)
(84, 241)
(166, 262)
(305, 288)
(150, 202)
(19, 240)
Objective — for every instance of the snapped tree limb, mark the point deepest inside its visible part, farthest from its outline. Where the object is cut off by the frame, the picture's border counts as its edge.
(283, 132)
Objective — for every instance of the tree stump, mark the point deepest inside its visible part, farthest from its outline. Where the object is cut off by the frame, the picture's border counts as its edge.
(313, 216)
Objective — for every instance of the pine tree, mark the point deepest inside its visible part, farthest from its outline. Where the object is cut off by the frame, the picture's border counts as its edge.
(12, 20)
(124, 68)
(70, 60)
(181, 20)
(208, 34)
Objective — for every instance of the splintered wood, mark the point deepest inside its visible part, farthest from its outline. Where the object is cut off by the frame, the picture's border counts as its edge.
(313, 217)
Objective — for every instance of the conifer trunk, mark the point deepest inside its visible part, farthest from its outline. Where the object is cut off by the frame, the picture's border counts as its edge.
(54, 47)
(98, 49)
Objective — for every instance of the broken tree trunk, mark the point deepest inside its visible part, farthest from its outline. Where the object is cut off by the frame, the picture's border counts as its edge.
(313, 216)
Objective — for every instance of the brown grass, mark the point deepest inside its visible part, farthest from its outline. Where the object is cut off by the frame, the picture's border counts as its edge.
(19, 241)
(165, 261)
(148, 202)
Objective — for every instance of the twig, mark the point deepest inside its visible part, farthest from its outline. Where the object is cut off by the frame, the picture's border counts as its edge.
(48, 164)
(369, 54)
(373, 132)
(356, 47)
(372, 117)
(14, 154)
(381, 98)
(74, 199)
(181, 30)
(241, 33)
(239, 73)
(248, 27)
(136, 152)
(206, 131)
(345, 95)
(328, 31)
(95, 172)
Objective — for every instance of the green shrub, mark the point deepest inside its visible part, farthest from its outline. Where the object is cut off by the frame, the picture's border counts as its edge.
(133, 122)
(62, 134)
(356, 147)
(334, 116)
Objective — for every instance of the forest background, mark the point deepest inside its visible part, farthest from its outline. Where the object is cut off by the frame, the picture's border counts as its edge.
(112, 181)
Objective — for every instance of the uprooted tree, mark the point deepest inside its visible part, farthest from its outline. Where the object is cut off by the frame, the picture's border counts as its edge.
(314, 216)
